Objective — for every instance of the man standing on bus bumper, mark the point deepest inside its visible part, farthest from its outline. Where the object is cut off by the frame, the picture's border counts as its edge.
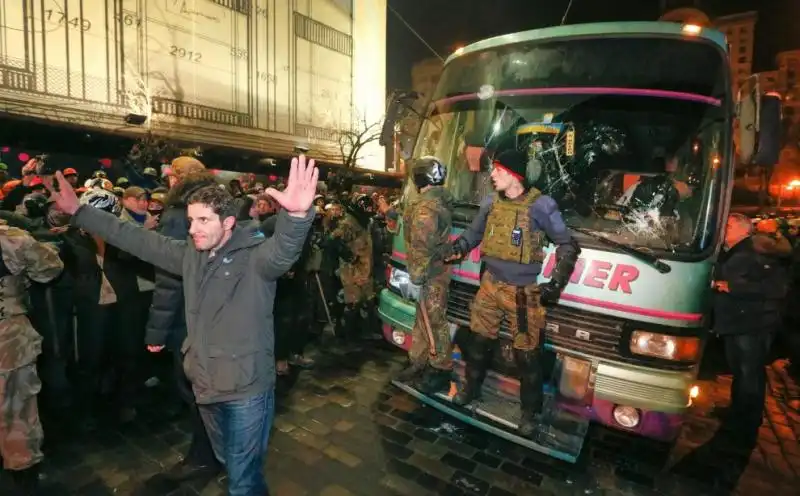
(513, 225)
(427, 223)
(229, 275)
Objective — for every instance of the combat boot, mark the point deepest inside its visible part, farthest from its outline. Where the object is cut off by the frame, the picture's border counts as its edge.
(348, 323)
(531, 393)
(476, 355)
(411, 373)
(26, 482)
(371, 322)
(434, 381)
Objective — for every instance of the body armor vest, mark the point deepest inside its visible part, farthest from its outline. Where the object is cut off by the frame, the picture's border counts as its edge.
(509, 234)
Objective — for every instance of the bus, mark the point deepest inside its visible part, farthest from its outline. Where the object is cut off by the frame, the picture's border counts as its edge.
(630, 128)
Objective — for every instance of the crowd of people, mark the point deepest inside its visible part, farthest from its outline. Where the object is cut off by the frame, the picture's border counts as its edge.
(231, 281)
(96, 309)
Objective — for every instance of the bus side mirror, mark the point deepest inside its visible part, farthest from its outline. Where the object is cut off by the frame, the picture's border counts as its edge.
(399, 102)
(759, 128)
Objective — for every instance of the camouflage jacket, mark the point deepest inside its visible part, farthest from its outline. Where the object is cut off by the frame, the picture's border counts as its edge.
(426, 228)
(358, 241)
(23, 260)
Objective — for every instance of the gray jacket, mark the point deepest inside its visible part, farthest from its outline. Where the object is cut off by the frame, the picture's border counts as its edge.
(229, 350)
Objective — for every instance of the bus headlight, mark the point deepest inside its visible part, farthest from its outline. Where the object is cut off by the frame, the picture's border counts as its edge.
(626, 416)
(400, 280)
(677, 348)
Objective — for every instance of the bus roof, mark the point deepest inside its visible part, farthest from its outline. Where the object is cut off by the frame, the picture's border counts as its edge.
(594, 29)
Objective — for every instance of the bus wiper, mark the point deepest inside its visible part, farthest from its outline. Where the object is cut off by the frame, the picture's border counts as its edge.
(640, 255)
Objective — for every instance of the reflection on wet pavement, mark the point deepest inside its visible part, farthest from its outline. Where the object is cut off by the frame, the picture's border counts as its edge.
(343, 429)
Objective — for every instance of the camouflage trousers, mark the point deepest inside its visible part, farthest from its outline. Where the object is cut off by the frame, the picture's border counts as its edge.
(434, 298)
(21, 432)
(519, 306)
(356, 287)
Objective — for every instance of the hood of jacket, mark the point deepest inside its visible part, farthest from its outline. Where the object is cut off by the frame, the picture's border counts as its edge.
(179, 195)
(772, 245)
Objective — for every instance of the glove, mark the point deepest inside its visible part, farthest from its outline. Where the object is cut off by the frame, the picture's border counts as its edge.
(549, 293)
(454, 252)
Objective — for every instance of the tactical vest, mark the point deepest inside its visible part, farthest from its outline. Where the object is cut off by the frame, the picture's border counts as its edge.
(500, 240)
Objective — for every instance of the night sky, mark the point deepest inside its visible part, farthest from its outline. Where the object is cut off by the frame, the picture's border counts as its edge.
(446, 24)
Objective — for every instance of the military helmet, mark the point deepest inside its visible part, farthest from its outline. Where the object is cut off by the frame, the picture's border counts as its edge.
(102, 200)
(361, 204)
(35, 205)
(98, 174)
(150, 172)
(98, 182)
(429, 171)
(158, 197)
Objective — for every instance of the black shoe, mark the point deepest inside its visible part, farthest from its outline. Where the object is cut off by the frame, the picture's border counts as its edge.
(184, 471)
(410, 373)
(528, 424)
(434, 381)
(531, 389)
(26, 482)
(476, 355)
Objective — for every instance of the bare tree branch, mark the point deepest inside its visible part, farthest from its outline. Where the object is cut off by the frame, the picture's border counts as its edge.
(351, 141)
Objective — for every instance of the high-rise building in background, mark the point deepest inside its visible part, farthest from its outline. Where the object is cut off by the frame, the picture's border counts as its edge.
(739, 29)
(788, 63)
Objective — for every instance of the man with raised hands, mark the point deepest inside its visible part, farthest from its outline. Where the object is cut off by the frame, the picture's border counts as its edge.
(229, 274)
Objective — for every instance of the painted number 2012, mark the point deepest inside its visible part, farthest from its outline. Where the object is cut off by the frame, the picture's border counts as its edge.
(182, 53)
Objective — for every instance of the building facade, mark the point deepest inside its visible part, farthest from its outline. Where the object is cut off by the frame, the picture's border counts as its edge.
(788, 63)
(259, 75)
(425, 76)
(739, 29)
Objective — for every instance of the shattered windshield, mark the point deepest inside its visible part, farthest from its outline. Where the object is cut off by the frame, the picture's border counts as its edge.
(628, 143)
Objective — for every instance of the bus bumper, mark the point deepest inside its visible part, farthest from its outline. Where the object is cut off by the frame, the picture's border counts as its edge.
(661, 398)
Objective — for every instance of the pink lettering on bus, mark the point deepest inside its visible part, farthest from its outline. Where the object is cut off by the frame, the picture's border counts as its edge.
(598, 274)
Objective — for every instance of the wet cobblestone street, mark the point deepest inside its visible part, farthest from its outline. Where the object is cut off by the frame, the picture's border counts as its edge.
(342, 429)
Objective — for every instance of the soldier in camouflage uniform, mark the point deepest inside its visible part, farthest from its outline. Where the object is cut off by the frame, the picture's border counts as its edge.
(352, 243)
(23, 260)
(513, 226)
(427, 222)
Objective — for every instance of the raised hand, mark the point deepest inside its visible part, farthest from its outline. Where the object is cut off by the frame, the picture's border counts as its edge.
(300, 188)
(65, 198)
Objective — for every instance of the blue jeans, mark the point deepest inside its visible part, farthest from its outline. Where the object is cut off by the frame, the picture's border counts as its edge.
(239, 432)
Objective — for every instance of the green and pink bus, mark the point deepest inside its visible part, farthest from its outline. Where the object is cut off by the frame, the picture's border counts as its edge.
(629, 126)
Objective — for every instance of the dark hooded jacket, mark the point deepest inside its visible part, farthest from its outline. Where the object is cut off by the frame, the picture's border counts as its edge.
(756, 273)
(167, 324)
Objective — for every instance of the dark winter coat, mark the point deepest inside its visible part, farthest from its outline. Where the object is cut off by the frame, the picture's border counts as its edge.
(229, 348)
(166, 324)
(758, 280)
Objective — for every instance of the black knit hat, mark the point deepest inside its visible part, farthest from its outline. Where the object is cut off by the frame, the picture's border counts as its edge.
(513, 161)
